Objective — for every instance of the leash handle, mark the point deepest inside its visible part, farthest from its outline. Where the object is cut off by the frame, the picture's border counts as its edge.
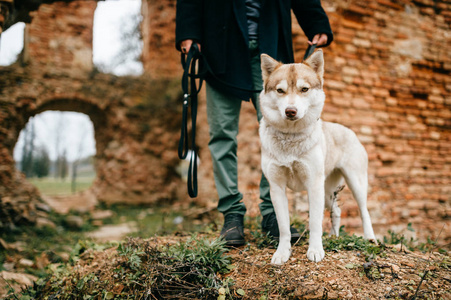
(191, 63)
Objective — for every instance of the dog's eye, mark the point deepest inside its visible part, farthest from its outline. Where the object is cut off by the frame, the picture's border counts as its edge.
(280, 91)
(304, 89)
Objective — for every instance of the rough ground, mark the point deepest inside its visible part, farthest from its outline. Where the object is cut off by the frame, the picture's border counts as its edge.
(352, 268)
(344, 274)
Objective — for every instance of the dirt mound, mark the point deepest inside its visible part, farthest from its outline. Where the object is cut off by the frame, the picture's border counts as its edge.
(343, 275)
(180, 267)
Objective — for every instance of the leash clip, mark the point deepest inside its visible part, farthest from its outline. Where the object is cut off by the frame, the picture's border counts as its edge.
(309, 51)
(185, 99)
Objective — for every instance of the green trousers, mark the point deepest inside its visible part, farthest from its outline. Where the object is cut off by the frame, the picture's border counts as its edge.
(223, 117)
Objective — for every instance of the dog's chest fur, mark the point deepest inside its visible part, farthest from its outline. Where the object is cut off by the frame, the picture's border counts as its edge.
(289, 147)
(291, 153)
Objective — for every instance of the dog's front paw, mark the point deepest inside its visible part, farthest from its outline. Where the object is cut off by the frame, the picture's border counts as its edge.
(370, 237)
(372, 240)
(281, 256)
(315, 254)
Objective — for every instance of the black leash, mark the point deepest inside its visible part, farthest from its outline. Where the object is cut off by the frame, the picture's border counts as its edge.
(195, 67)
(191, 64)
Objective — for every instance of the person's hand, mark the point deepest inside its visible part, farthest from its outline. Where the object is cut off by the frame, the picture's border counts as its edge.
(320, 39)
(186, 45)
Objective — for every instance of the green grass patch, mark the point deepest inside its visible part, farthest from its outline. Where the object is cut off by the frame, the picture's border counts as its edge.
(58, 187)
(353, 242)
(56, 243)
(139, 269)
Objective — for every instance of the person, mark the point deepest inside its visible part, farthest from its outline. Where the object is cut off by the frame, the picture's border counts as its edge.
(231, 36)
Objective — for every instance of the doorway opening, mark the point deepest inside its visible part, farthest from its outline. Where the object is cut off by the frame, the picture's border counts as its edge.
(56, 152)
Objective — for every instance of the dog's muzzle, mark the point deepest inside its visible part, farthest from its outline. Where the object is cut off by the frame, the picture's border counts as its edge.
(291, 113)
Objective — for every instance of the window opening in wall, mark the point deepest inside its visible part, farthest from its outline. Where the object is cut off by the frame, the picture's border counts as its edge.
(117, 42)
(11, 44)
(56, 152)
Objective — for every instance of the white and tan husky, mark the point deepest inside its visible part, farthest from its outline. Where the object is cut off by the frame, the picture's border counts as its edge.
(301, 152)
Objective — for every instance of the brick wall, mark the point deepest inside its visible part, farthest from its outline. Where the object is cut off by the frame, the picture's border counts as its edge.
(60, 35)
(135, 118)
(388, 79)
(158, 33)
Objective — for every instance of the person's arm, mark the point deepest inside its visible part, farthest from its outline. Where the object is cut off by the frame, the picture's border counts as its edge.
(188, 23)
(313, 20)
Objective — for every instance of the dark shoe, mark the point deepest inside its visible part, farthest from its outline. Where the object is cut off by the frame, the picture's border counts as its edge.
(233, 230)
(270, 225)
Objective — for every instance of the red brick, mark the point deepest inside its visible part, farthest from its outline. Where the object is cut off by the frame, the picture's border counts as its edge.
(359, 10)
(391, 4)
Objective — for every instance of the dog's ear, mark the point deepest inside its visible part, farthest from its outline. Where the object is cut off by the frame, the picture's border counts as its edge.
(316, 62)
(268, 65)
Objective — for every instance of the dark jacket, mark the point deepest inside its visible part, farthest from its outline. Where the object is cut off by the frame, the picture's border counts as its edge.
(220, 27)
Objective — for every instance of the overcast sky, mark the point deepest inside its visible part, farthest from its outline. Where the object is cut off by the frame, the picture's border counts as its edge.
(106, 43)
(108, 20)
(11, 44)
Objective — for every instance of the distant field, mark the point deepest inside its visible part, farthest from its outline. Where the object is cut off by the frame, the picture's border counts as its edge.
(57, 187)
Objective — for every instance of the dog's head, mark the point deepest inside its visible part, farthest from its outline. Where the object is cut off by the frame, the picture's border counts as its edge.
(292, 95)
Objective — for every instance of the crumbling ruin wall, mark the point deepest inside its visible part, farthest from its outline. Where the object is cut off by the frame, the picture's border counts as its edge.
(135, 118)
(387, 78)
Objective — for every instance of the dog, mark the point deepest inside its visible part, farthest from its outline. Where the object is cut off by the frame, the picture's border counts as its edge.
(301, 152)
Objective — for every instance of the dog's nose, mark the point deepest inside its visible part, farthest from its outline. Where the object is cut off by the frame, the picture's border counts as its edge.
(291, 112)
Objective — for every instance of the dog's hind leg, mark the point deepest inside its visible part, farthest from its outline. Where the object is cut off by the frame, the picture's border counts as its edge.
(357, 180)
(333, 185)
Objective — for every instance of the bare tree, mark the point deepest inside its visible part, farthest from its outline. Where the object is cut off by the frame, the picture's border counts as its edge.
(28, 148)
(41, 162)
(61, 167)
(75, 164)
(130, 48)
